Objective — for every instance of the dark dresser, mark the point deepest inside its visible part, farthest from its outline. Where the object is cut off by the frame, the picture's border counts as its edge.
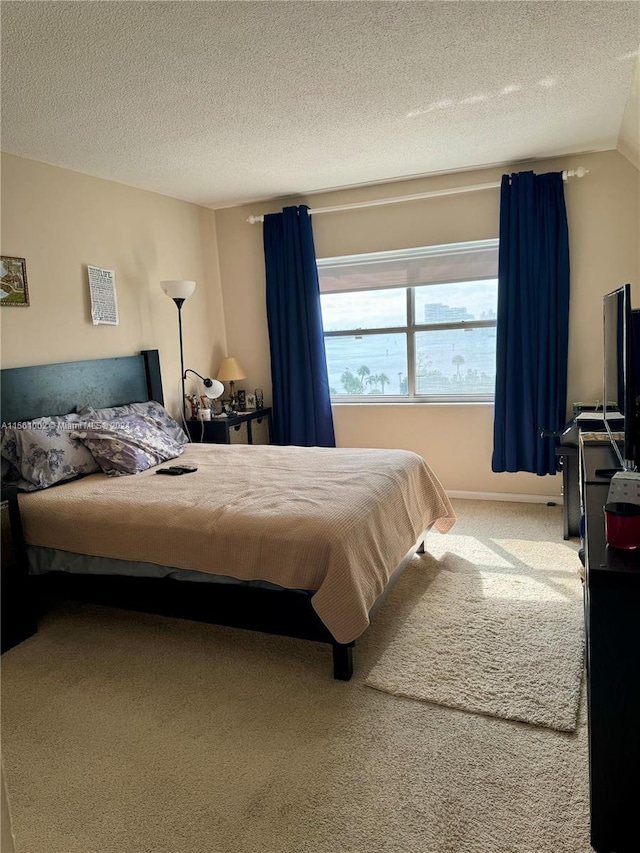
(612, 615)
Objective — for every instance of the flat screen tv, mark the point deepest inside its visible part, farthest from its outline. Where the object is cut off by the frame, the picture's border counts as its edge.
(620, 389)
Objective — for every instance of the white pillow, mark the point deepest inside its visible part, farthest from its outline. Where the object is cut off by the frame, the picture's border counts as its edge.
(45, 452)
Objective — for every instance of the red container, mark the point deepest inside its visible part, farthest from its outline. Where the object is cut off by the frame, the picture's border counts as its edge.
(622, 525)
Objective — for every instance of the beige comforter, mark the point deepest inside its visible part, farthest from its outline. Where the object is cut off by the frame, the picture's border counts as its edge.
(337, 521)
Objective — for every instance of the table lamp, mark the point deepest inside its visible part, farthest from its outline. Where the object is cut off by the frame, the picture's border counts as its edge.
(230, 371)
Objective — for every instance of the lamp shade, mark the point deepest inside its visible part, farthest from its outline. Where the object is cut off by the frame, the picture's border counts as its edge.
(215, 390)
(178, 289)
(230, 370)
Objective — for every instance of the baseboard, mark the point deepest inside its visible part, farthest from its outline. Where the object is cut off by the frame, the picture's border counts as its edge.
(505, 496)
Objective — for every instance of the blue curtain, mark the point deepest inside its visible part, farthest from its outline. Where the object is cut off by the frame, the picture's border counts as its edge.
(533, 322)
(301, 402)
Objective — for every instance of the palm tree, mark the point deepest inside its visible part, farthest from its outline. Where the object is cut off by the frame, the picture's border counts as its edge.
(376, 382)
(457, 360)
(362, 372)
(354, 384)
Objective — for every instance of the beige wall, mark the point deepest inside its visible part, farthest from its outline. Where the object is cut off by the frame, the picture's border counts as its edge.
(456, 440)
(60, 221)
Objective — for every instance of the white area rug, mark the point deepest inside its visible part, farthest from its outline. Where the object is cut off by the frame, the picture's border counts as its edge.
(495, 626)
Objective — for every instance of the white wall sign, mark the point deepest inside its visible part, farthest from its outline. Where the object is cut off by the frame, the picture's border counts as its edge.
(104, 303)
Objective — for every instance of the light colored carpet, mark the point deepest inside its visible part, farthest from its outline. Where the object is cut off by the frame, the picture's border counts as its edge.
(126, 733)
(493, 625)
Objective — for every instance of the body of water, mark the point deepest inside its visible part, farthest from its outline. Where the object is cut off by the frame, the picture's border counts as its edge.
(452, 361)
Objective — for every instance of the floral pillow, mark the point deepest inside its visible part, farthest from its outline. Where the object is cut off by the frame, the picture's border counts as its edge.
(44, 452)
(150, 409)
(128, 444)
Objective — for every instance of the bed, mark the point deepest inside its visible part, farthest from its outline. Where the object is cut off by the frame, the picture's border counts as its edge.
(304, 542)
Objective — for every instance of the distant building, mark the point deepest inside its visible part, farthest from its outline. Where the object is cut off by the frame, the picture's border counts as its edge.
(436, 312)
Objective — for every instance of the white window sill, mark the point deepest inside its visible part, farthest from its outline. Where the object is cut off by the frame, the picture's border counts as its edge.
(413, 403)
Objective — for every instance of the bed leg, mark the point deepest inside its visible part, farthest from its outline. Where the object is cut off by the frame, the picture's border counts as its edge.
(342, 661)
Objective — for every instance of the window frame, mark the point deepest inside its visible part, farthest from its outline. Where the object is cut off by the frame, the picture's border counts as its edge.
(410, 330)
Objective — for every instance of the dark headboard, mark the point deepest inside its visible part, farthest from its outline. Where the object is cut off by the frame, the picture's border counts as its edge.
(56, 389)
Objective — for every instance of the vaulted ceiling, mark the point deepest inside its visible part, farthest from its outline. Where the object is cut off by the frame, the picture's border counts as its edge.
(221, 103)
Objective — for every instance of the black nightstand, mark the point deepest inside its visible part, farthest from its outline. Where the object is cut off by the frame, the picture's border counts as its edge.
(18, 611)
(252, 427)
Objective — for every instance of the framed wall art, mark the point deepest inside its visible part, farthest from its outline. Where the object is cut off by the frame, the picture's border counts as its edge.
(13, 281)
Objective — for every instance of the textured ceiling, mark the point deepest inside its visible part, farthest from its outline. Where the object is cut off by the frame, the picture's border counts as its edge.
(224, 102)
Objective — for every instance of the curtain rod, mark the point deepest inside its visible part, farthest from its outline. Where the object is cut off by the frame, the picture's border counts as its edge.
(571, 173)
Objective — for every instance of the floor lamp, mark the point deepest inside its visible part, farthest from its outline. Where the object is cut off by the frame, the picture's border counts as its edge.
(179, 291)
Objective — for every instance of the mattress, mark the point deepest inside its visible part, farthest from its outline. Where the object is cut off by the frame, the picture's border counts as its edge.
(41, 561)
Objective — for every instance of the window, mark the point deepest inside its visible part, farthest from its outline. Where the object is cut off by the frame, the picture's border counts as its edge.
(412, 325)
